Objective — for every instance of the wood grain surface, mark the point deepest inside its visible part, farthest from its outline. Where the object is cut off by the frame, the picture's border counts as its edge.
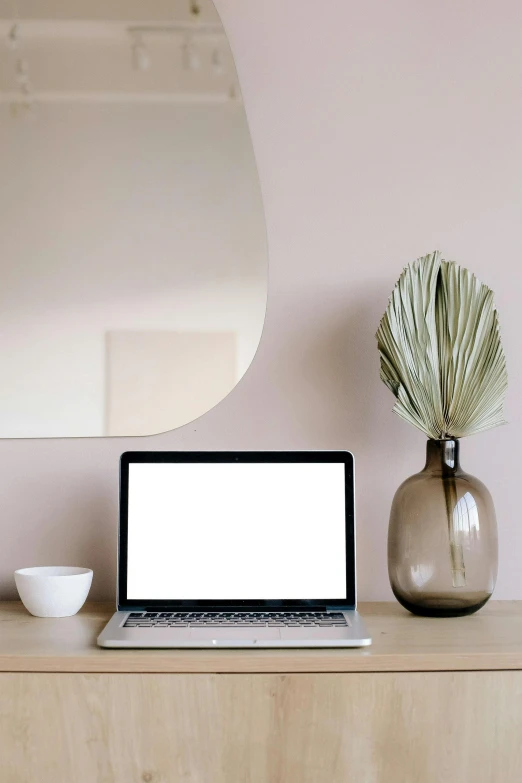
(437, 727)
(490, 639)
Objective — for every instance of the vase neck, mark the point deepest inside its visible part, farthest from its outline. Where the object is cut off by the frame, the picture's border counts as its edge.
(442, 456)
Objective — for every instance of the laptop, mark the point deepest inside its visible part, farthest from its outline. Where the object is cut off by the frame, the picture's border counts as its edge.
(236, 549)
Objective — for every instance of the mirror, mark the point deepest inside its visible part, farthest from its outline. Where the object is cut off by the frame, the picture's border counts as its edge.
(133, 266)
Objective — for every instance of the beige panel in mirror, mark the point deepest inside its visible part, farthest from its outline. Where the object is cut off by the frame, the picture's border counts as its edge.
(130, 218)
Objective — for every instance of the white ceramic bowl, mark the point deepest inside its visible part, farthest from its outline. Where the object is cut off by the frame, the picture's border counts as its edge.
(53, 591)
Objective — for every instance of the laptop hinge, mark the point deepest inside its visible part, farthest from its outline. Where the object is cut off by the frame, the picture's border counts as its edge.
(346, 608)
(218, 608)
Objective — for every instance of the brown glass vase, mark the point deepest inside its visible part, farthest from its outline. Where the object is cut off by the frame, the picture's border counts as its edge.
(442, 540)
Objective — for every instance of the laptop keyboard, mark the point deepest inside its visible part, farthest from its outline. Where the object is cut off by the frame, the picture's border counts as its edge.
(234, 619)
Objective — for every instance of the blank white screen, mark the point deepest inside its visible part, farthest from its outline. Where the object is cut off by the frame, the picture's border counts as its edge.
(236, 531)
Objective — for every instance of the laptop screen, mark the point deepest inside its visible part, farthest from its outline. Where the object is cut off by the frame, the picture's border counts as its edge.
(236, 531)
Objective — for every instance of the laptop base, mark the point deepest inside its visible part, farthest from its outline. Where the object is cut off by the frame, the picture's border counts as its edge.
(354, 634)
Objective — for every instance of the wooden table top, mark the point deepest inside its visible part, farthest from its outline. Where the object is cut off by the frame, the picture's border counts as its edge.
(490, 639)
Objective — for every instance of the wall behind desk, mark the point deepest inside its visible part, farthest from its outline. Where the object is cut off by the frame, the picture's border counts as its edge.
(382, 131)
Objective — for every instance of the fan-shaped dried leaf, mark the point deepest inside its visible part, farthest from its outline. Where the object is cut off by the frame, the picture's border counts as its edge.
(440, 349)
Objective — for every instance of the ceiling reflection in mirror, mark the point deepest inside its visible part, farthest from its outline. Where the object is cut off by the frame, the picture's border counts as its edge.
(133, 252)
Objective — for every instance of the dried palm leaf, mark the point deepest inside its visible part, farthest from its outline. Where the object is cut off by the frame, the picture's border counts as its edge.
(440, 349)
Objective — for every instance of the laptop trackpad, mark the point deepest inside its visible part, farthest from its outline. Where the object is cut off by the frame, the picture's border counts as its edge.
(233, 634)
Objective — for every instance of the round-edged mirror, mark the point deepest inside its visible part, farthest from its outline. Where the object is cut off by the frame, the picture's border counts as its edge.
(133, 266)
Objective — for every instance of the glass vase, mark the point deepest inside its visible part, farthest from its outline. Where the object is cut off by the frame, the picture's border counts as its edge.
(442, 540)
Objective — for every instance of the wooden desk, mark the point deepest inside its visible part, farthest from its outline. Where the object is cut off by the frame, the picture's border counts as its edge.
(432, 700)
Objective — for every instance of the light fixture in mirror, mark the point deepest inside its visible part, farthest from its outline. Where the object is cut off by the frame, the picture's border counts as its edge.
(133, 252)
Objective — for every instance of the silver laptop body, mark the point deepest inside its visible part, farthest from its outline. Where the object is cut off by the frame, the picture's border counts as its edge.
(230, 549)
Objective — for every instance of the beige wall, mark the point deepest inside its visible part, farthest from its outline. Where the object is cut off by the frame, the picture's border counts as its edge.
(382, 131)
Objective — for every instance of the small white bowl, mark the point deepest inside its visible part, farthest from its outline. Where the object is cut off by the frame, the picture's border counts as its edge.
(53, 591)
